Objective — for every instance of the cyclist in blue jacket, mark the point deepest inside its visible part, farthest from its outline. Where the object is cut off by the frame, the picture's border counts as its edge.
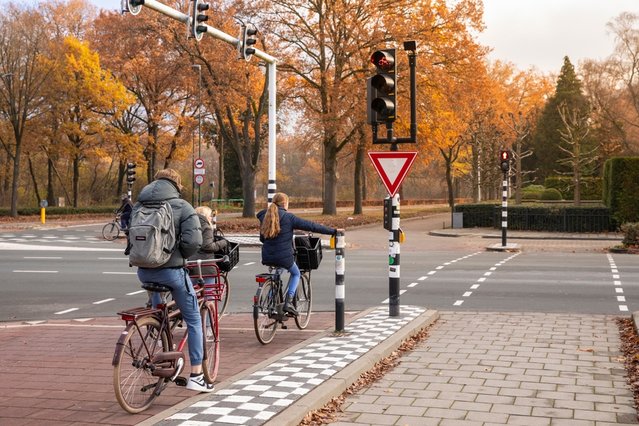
(276, 234)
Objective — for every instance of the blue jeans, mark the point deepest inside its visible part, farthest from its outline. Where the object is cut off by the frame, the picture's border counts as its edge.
(294, 279)
(184, 296)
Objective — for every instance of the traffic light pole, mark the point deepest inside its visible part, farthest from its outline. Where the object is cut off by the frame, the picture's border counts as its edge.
(504, 209)
(272, 71)
(394, 260)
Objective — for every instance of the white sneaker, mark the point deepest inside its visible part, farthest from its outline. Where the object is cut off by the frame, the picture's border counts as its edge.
(199, 384)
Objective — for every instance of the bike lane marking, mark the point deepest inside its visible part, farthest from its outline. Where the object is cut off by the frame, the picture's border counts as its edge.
(616, 280)
(488, 273)
(433, 272)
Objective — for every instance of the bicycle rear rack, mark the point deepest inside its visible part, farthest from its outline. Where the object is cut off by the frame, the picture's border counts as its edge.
(133, 314)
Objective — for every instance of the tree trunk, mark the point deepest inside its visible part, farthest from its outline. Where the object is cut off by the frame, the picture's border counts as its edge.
(330, 178)
(358, 183)
(76, 180)
(50, 190)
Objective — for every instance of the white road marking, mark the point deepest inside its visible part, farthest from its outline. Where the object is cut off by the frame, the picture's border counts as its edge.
(249, 264)
(99, 302)
(66, 311)
(623, 308)
(412, 285)
(43, 257)
(467, 294)
(119, 273)
(35, 272)
(457, 303)
(133, 293)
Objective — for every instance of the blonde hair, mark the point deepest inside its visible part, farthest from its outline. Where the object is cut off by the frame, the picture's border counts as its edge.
(206, 212)
(270, 227)
(171, 175)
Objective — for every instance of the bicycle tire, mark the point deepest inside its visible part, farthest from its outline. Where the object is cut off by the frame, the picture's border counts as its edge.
(303, 302)
(135, 387)
(211, 340)
(224, 299)
(263, 313)
(111, 231)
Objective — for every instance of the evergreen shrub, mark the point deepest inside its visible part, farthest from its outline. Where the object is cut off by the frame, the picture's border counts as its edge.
(621, 188)
(551, 194)
(591, 187)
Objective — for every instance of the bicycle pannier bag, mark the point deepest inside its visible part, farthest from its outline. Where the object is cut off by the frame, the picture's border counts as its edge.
(151, 235)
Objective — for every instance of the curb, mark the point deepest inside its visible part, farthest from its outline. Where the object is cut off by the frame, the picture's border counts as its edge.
(337, 384)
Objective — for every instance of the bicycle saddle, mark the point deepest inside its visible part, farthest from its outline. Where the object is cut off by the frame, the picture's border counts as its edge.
(159, 288)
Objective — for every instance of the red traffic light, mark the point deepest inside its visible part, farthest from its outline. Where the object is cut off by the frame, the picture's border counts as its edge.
(383, 60)
(504, 155)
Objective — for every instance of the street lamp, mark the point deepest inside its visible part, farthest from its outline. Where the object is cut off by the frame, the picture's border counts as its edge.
(199, 127)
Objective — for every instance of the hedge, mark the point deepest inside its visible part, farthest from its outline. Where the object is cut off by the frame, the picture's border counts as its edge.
(591, 187)
(621, 189)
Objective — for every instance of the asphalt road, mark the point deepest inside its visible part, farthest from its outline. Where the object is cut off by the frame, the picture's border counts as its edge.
(72, 273)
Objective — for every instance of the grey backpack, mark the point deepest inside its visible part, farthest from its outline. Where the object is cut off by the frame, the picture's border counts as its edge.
(151, 235)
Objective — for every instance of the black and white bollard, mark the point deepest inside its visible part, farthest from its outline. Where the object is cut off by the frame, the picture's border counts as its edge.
(504, 210)
(340, 268)
(393, 260)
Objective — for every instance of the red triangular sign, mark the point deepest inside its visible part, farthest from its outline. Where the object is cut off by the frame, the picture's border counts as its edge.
(392, 167)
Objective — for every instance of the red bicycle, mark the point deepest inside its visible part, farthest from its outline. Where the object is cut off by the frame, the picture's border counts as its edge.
(146, 359)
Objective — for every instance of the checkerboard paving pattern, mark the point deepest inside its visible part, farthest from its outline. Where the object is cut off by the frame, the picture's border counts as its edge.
(258, 397)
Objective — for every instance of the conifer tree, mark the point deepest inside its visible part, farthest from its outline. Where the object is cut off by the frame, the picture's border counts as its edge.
(546, 140)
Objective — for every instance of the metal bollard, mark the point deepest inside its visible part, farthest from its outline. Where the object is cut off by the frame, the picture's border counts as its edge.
(340, 290)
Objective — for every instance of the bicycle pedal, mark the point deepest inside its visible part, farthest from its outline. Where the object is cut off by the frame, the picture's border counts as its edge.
(180, 381)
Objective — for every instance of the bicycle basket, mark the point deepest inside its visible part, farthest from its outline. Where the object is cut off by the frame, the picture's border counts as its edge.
(234, 257)
(308, 252)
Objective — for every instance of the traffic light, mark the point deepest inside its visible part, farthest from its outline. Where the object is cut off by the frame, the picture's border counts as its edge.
(382, 99)
(198, 16)
(504, 160)
(133, 6)
(249, 39)
(130, 173)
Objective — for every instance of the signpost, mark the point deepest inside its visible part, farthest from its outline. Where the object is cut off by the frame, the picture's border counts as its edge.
(393, 167)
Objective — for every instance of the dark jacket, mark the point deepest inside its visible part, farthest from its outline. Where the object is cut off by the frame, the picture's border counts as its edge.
(209, 246)
(187, 225)
(278, 251)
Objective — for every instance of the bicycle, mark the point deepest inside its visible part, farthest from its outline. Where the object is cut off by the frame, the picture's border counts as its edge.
(146, 357)
(268, 302)
(111, 230)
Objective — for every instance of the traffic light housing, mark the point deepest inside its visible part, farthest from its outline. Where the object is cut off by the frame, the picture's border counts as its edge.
(382, 98)
(249, 39)
(130, 173)
(198, 16)
(133, 6)
(388, 214)
(504, 160)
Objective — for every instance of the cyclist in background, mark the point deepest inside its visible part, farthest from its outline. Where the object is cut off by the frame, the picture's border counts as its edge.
(276, 234)
(125, 212)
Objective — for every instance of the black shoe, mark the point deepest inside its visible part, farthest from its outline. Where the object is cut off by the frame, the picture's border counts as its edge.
(288, 306)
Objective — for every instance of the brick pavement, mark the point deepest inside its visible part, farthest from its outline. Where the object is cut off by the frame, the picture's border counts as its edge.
(60, 373)
(503, 368)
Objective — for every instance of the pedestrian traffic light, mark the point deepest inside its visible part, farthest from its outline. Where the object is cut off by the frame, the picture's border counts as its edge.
(130, 173)
(198, 16)
(382, 100)
(249, 39)
(133, 6)
(504, 160)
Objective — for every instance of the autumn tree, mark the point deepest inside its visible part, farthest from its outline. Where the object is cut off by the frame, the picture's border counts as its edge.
(84, 94)
(23, 39)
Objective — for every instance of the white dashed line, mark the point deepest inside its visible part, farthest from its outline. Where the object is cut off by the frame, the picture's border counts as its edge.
(66, 311)
(249, 264)
(43, 257)
(617, 283)
(35, 272)
(99, 302)
(133, 293)
(119, 273)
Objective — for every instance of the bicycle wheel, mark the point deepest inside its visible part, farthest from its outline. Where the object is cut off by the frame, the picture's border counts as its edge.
(111, 231)
(264, 312)
(224, 300)
(303, 302)
(211, 339)
(132, 380)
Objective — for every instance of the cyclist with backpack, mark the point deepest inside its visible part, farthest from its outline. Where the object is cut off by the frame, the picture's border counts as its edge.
(163, 233)
(276, 234)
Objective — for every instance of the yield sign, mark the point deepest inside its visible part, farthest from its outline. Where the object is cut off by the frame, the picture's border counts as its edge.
(392, 167)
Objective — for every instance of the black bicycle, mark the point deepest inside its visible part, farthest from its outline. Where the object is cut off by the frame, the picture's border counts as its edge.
(268, 302)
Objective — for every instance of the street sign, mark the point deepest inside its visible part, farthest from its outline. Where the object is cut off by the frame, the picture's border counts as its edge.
(199, 179)
(199, 172)
(392, 167)
(199, 163)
